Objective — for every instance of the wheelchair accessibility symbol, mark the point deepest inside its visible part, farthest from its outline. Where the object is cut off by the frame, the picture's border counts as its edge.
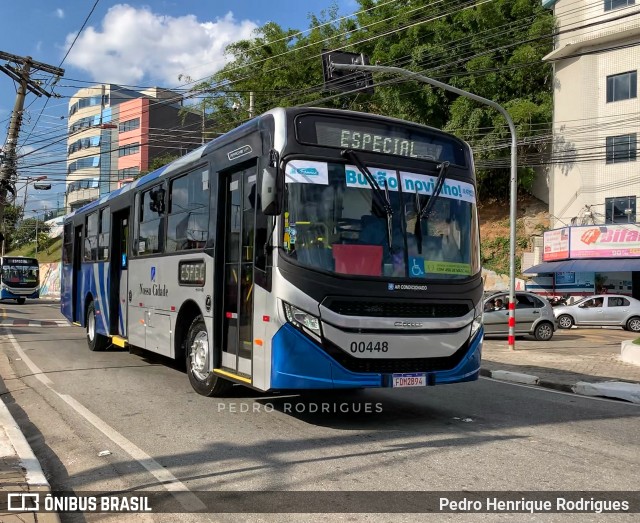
(417, 267)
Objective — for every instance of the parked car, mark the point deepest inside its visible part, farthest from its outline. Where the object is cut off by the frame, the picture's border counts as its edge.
(534, 315)
(599, 310)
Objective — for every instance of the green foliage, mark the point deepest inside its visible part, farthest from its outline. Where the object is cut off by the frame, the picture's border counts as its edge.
(26, 232)
(11, 217)
(493, 49)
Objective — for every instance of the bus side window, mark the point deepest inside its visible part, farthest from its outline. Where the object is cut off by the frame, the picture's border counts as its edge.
(151, 227)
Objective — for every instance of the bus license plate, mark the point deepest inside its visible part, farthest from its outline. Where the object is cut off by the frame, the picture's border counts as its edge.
(416, 379)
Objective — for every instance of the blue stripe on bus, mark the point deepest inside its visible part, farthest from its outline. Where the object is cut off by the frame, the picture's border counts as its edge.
(298, 363)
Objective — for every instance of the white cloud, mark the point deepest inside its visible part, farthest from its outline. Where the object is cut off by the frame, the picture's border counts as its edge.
(59, 13)
(137, 46)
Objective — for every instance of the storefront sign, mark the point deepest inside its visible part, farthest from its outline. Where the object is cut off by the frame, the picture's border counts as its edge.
(556, 244)
(605, 241)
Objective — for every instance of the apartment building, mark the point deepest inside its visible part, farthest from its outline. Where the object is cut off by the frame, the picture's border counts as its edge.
(594, 178)
(115, 132)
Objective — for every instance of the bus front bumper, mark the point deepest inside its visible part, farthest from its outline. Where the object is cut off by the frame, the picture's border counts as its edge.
(12, 294)
(299, 363)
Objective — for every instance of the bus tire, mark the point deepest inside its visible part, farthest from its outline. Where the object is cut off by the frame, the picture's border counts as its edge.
(201, 376)
(21, 300)
(96, 341)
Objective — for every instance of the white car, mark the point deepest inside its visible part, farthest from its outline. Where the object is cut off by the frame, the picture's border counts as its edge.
(600, 310)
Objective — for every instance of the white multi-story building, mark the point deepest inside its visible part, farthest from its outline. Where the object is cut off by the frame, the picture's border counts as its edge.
(595, 176)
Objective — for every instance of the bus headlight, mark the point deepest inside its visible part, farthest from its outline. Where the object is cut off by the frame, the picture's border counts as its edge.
(475, 326)
(301, 319)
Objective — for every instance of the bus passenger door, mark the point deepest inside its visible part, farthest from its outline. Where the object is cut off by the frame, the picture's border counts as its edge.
(119, 280)
(76, 275)
(237, 332)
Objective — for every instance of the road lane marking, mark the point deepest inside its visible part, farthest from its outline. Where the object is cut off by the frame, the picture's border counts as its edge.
(34, 323)
(187, 499)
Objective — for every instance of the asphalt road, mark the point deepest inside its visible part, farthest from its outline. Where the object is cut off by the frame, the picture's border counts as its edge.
(73, 404)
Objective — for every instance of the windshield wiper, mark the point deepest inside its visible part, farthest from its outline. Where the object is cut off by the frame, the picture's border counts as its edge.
(381, 197)
(443, 167)
(424, 211)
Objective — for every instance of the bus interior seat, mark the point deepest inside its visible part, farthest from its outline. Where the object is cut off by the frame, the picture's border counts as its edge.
(315, 256)
(372, 230)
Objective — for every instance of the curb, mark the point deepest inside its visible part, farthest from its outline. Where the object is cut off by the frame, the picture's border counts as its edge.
(609, 389)
(34, 476)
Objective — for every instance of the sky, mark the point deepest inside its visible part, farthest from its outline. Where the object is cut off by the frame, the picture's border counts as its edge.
(147, 43)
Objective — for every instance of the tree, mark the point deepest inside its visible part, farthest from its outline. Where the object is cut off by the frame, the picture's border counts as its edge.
(12, 214)
(26, 231)
(493, 49)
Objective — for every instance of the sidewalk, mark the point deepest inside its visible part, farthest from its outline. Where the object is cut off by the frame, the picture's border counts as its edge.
(20, 472)
(571, 357)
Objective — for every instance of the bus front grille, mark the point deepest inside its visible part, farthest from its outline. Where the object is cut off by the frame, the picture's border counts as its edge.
(395, 308)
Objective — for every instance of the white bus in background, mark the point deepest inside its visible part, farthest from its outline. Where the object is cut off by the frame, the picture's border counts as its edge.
(19, 278)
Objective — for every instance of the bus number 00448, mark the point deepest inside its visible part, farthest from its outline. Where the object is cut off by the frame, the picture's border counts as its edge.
(363, 346)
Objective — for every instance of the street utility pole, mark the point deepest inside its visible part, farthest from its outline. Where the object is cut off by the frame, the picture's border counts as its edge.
(19, 70)
(514, 166)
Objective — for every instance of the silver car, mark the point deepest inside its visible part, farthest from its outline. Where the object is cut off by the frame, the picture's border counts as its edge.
(534, 315)
(602, 309)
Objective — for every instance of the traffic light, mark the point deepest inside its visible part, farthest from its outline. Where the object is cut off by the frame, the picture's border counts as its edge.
(340, 80)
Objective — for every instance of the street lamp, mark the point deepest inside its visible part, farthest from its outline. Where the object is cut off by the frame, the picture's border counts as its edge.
(37, 186)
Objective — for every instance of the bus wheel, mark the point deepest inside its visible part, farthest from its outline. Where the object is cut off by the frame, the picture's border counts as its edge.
(95, 340)
(21, 300)
(201, 376)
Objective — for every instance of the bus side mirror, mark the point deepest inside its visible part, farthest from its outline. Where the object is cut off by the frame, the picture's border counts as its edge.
(272, 188)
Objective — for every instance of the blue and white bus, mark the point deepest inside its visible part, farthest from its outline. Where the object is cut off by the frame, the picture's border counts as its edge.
(306, 249)
(19, 278)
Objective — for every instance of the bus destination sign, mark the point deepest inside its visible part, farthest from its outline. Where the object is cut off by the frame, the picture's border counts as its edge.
(20, 261)
(379, 138)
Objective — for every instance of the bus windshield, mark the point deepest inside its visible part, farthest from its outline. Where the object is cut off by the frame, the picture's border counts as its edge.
(334, 222)
(20, 275)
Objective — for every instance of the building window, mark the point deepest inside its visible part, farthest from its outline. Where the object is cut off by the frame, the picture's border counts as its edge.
(621, 209)
(129, 125)
(621, 148)
(622, 86)
(127, 150)
(610, 5)
(188, 212)
(84, 163)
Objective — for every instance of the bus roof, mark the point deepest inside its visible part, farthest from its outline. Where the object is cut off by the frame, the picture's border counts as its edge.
(201, 151)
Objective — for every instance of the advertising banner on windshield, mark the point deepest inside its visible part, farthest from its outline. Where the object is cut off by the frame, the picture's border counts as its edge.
(556, 245)
(411, 183)
(605, 241)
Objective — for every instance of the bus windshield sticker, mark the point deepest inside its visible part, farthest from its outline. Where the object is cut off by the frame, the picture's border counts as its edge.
(423, 184)
(305, 171)
(205, 180)
(355, 178)
(443, 267)
(240, 151)
(251, 178)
